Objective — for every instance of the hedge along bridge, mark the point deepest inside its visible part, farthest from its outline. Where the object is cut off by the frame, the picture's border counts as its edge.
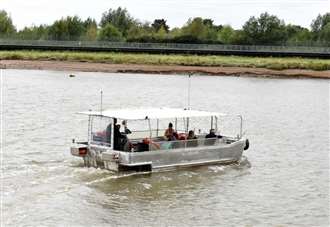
(168, 48)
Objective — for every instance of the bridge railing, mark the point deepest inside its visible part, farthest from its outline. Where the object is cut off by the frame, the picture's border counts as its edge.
(164, 46)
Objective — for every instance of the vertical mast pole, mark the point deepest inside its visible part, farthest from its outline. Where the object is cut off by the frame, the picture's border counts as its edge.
(189, 85)
(101, 102)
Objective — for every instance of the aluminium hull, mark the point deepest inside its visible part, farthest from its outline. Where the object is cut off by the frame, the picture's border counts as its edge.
(104, 157)
(184, 157)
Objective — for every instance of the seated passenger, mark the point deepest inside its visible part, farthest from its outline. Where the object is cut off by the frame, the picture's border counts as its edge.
(208, 138)
(150, 145)
(191, 135)
(192, 139)
(170, 133)
(211, 134)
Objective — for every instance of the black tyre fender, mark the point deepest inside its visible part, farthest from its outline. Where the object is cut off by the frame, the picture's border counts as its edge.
(247, 144)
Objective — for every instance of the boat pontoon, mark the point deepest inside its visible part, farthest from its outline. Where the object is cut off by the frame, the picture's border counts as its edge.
(144, 148)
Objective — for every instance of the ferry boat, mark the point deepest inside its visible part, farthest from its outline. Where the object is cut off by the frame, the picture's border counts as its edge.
(135, 139)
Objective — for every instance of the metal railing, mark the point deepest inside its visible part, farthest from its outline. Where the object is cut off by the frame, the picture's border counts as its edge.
(184, 144)
(163, 46)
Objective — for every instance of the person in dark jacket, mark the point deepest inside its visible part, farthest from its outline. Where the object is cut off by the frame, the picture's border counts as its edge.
(126, 130)
(211, 134)
(118, 138)
(211, 137)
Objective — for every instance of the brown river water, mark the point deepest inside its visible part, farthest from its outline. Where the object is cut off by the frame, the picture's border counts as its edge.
(284, 180)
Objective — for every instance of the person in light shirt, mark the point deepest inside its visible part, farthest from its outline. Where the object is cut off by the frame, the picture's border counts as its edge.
(170, 133)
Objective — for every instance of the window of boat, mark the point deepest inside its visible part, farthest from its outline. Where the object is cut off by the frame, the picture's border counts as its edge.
(101, 131)
(151, 132)
(152, 128)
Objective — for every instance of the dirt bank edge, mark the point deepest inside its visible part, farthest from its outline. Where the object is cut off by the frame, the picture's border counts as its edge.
(159, 69)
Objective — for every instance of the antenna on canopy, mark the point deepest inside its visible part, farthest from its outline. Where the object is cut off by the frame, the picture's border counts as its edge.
(101, 102)
(189, 85)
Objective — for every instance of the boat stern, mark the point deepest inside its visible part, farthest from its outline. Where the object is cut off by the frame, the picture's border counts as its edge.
(79, 149)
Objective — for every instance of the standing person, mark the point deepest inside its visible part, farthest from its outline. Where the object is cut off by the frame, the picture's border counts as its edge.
(170, 132)
(126, 130)
(118, 138)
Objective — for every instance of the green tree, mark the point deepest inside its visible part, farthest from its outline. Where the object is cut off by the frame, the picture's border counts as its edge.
(195, 30)
(110, 33)
(161, 34)
(34, 33)
(160, 23)
(141, 32)
(212, 30)
(297, 35)
(90, 26)
(267, 29)
(120, 18)
(320, 28)
(226, 35)
(6, 24)
(69, 28)
(239, 38)
(325, 34)
(320, 22)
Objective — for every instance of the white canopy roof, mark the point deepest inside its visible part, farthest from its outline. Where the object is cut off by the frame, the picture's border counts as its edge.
(150, 113)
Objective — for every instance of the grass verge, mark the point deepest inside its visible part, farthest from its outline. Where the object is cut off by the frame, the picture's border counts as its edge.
(275, 63)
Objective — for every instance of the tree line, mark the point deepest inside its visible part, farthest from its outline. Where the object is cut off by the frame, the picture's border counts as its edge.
(117, 25)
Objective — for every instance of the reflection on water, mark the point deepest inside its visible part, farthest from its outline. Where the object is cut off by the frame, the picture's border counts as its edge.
(283, 181)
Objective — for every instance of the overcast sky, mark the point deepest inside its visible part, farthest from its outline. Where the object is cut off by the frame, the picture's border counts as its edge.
(176, 12)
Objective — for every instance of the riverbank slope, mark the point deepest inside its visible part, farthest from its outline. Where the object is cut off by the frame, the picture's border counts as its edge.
(159, 69)
(169, 64)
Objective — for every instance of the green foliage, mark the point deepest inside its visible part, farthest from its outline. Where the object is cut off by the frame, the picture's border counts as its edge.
(6, 25)
(110, 33)
(33, 33)
(198, 30)
(267, 29)
(320, 22)
(160, 24)
(69, 28)
(90, 26)
(119, 25)
(325, 33)
(320, 28)
(120, 18)
(297, 35)
(161, 34)
(226, 35)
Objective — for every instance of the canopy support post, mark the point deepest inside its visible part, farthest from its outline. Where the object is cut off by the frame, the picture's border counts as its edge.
(89, 128)
(150, 132)
(241, 126)
(216, 123)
